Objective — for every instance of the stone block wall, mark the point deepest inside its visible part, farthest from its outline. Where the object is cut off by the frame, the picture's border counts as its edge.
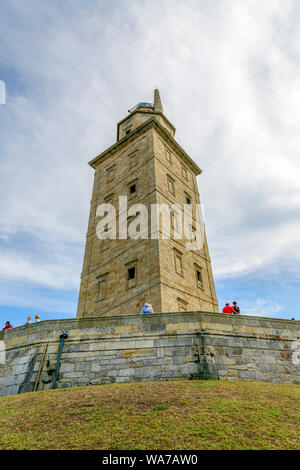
(166, 346)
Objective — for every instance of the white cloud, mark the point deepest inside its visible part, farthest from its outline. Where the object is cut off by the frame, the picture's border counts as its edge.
(59, 275)
(264, 308)
(25, 297)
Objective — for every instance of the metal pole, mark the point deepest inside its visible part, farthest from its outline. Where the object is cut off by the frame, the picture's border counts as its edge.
(63, 336)
(40, 369)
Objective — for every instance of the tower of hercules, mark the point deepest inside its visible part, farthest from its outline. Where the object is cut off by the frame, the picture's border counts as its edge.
(148, 169)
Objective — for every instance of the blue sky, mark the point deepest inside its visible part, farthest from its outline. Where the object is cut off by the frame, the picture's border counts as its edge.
(229, 77)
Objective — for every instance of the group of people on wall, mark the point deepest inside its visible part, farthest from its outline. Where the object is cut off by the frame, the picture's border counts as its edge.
(233, 309)
(8, 325)
(147, 308)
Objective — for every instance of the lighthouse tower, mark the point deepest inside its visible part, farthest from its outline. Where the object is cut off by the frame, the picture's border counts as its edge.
(129, 258)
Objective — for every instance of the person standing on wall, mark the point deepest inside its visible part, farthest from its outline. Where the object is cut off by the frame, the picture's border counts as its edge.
(228, 309)
(236, 308)
(147, 308)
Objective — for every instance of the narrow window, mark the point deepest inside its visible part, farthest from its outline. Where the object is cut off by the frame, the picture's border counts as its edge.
(132, 157)
(110, 172)
(104, 238)
(199, 279)
(127, 125)
(168, 156)
(182, 305)
(188, 199)
(132, 188)
(178, 262)
(184, 172)
(171, 185)
(101, 290)
(101, 286)
(131, 274)
(174, 221)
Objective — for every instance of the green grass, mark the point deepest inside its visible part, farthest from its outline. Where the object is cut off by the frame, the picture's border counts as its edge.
(154, 415)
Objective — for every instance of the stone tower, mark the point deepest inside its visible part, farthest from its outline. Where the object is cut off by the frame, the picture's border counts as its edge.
(146, 166)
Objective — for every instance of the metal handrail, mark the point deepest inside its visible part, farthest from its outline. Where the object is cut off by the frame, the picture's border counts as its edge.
(139, 105)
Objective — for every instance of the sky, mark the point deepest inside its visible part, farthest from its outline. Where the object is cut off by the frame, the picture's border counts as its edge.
(229, 78)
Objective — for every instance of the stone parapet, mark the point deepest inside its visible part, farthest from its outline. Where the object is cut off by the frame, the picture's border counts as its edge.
(162, 346)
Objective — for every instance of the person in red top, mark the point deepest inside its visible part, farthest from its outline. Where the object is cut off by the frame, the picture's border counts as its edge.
(7, 326)
(228, 309)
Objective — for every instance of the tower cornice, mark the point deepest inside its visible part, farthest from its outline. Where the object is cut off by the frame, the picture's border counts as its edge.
(152, 112)
(152, 122)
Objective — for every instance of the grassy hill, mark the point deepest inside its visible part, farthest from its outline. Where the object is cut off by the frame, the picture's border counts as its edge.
(154, 415)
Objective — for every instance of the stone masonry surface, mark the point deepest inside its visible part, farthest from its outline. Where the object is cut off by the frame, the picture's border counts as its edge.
(163, 346)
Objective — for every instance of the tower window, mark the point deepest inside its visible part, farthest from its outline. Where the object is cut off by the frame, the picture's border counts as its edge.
(171, 185)
(110, 172)
(132, 159)
(168, 155)
(184, 172)
(182, 305)
(131, 274)
(127, 125)
(127, 128)
(178, 262)
(194, 237)
(174, 219)
(188, 199)
(132, 188)
(101, 286)
(199, 280)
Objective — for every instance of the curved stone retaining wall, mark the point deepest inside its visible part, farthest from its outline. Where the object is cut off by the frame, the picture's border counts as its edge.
(167, 346)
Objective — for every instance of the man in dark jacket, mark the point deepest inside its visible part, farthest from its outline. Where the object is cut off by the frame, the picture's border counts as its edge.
(236, 308)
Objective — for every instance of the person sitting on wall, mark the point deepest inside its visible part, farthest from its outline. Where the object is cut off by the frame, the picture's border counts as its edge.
(228, 309)
(7, 326)
(236, 308)
(147, 308)
(28, 321)
(37, 318)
